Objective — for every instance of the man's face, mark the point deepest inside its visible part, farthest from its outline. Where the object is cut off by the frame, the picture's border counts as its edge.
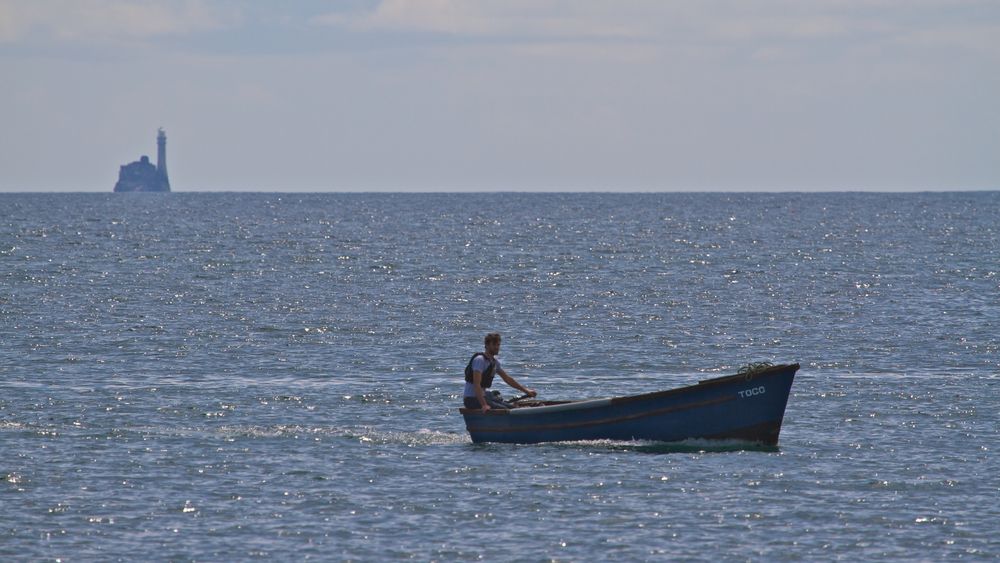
(493, 347)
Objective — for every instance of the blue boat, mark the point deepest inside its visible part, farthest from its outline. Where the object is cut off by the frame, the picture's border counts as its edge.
(746, 407)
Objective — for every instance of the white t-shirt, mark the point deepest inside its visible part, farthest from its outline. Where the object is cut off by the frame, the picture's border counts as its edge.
(480, 363)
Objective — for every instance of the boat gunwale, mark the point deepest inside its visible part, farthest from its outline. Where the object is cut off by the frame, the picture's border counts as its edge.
(726, 379)
(723, 380)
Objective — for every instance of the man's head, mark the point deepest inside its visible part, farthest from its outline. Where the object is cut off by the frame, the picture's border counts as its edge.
(492, 342)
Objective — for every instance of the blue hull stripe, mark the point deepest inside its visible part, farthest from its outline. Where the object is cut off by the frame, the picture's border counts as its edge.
(597, 422)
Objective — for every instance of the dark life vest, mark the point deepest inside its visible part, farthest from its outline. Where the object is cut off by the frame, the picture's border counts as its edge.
(487, 378)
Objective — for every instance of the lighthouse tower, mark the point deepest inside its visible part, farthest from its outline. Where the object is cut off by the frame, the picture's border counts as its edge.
(161, 158)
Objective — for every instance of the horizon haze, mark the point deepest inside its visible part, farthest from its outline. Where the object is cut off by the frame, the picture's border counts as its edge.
(547, 95)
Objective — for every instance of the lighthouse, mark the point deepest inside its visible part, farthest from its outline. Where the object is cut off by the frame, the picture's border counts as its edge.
(161, 156)
(142, 176)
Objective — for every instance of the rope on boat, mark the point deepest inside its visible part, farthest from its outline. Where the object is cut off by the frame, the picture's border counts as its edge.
(753, 368)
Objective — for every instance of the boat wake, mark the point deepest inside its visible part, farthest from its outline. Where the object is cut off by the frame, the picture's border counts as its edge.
(362, 434)
(422, 437)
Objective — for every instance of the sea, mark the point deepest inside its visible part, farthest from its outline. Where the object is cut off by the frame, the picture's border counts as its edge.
(274, 376)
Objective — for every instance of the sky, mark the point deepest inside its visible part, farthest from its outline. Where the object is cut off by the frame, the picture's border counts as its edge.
(503, 95)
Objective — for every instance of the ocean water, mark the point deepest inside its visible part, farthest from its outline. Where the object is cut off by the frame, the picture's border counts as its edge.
(277, 376)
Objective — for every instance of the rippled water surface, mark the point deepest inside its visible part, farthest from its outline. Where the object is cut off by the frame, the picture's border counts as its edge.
(239, 376)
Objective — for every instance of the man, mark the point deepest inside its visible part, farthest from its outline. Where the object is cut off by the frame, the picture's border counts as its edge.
(479, 376)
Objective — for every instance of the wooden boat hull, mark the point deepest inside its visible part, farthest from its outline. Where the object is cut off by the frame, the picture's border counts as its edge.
(745, 408)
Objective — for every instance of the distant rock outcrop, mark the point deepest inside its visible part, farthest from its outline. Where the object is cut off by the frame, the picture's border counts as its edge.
(142, 176)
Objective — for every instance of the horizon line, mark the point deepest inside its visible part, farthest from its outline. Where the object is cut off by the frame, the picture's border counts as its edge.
(514, 191)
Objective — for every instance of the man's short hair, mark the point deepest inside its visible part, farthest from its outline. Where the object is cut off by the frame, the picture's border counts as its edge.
(492, 337)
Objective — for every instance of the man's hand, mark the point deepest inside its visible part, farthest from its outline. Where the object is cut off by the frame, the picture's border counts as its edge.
(485, 408)
(530, 392)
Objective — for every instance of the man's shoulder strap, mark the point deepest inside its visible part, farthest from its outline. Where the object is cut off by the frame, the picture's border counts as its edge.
(468, 368)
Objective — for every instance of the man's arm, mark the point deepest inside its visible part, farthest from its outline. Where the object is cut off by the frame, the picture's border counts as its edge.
(513, 383)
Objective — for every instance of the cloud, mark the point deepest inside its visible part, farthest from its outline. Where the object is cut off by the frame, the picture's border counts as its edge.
(557, 19)
(106, 20)
(765, 25)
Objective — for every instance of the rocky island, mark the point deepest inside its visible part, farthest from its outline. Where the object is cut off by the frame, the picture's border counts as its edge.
(142, 176)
